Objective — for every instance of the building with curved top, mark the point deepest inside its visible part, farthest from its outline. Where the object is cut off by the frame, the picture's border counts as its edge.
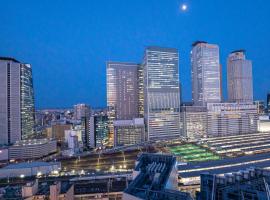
(32, 149)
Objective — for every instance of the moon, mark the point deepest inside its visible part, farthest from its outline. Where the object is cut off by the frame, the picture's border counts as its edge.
(183, 7)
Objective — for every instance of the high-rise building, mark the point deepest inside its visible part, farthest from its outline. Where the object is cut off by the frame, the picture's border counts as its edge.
(16, 101)
(239, 77)
(206, 73)
(98, 131)
(122, 92)
(81, 110)
(161, 93)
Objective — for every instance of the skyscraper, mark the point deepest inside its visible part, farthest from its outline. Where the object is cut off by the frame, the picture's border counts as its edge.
(16, 101)
(161, 93)
(206, 73)
(239, 77)
(122, 92)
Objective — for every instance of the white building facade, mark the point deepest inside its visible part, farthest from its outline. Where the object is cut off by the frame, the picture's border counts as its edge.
(206, 74)
(231, 119)
(239, 77)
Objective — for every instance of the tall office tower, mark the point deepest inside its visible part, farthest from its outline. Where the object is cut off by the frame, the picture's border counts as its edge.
(206, 73)
(161, 93)
(16, 101)
(81, 111)
(239, 77)
(122, 92)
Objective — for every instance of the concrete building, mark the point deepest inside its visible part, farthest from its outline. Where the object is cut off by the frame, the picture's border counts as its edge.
(264, 124)
(239, 77)
(26, 169)
(4, 154)
(79, 188)
(231, 119)
(260, 107)
(32, 149)
(122, 92)
(48, 190)
(245, 184)
(155, 177)
(16, 101)
(206, 73)
(128, 132)
(161, 93)
(194, 121)
(58, 131)
(81, 110)
(98, 131)
(72, 141)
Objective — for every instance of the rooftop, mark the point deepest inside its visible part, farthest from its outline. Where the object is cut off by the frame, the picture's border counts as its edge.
(239, 51)
(44, 188)
(227, 165)
(154, 171)
(32, 142)
(198, 42)
(29, 165)
(9, 59)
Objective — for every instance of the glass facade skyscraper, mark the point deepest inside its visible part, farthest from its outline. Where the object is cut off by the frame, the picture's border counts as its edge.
(239, 77)
(27, 101)
(16, 101)
(98, 126)
(206, 73)
(161, 93)
(122, 92)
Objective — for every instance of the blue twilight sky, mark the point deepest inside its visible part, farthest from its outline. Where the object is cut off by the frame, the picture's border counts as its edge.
(68, 41)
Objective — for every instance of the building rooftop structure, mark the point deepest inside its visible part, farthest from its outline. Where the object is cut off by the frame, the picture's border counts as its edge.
(244, 184)
(198, 42)
(239, 50)
(27, 165)
(44, 187)
(155, 179)
(9, 58)
(190, 173)
(32, 142)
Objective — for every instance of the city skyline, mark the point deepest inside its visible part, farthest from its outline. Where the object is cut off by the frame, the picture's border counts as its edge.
(72, 75)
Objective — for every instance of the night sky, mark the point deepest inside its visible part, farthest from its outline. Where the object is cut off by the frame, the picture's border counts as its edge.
(68, 42)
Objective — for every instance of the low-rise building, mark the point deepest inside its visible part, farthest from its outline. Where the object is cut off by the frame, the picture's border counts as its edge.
(264, 123)
(155, 177)
(129, 132)
(245, 184)
(194, 121)
(58, 131)
(29, 169)
(32, 149)
(4, 154)
(231, 119)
